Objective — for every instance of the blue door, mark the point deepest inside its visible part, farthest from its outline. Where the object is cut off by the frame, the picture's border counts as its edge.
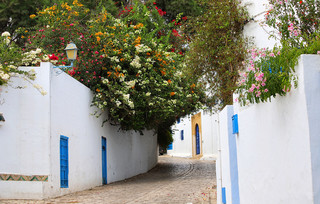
(197, 140)
(64, 162)
(104, 160)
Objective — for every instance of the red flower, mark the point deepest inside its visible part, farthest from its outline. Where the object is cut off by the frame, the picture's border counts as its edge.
(175, 33)
(300, 2)
(154, 3)
(53, 57)
(184, 18)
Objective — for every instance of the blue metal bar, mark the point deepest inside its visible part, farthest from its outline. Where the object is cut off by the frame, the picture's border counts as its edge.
(64, 67)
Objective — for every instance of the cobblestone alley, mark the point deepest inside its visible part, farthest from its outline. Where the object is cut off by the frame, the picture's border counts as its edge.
(173, 180)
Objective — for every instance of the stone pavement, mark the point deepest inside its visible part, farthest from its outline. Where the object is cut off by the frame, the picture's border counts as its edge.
(173, 180)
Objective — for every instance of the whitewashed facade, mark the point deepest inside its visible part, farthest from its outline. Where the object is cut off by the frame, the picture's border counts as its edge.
(184, 136)
(275, 157)
(30, 140)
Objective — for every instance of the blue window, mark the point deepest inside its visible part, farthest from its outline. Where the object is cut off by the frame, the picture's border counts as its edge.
(182, 136)
(170, 146)
(64, 162)
(178, 120)
(223, 192)
(235, 127)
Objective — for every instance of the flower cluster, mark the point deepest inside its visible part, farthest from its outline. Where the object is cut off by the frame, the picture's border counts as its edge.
(295, 21)
(11, 57)
(265, 77)
(126, 63)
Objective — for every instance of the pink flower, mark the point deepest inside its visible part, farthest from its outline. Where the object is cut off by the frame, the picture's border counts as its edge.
(96, 52)
(266, 90)
(271, 54)
(258, 94)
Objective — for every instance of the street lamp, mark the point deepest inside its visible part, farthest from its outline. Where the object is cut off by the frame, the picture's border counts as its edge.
(71, 51)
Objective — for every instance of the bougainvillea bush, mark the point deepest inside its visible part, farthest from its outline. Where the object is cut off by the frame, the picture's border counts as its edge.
(267, 75)
(271, 72)
(130, 62)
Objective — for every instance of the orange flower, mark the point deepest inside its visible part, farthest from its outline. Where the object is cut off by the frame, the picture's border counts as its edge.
(172, 93)
(163, 72)
(98, 90)
(193, 85)
(169, 81)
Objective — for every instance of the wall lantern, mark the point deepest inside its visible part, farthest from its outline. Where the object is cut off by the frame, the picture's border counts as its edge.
(71, 51)
(2, 120)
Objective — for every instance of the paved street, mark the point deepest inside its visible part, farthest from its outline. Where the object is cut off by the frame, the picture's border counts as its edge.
(173, 180)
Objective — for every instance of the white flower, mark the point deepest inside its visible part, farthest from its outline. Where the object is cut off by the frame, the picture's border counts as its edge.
(5, 34)
(148, 94)
(130, 84)
(126, 96)
(131, 104)
(38, 50)
(114, 59)
(118, 103)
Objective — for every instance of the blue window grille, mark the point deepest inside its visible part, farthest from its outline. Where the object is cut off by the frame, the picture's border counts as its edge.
(170, 146)
(64, 162)
(235, 126)
(223, 192)
(182, 136)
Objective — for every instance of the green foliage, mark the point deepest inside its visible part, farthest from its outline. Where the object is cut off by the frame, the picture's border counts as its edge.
(15, 13)
(218, 48)
(175, 7)
(128, 62)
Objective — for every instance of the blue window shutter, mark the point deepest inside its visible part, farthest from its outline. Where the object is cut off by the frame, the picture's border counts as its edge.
(178, 120)
(223, 192)
(170, 146)
(235, 126)
(64, 162)
(182, 136)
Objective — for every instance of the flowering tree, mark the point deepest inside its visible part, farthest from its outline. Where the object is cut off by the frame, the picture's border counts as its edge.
(129, 62)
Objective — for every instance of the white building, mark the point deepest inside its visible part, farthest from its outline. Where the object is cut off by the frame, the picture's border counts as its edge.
(274, 157)
(53, 145)
(195, 136)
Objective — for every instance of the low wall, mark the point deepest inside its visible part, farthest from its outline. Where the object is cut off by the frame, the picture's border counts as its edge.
(278, 143)
(65, 110)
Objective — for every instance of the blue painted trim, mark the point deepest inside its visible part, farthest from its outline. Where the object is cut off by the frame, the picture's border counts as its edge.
(233, 159)
(104, 159)
(64, 67)
(64, 161)
(170, 147)
(223, 195)
(235, 125)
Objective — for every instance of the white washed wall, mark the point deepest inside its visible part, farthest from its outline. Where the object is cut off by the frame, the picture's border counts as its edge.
(24, 141)
(255, 29)
(278, 143)
(68, 113)
(182, 148)
(223, 164)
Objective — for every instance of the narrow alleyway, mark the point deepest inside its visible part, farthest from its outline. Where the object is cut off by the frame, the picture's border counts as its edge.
(173, 180)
